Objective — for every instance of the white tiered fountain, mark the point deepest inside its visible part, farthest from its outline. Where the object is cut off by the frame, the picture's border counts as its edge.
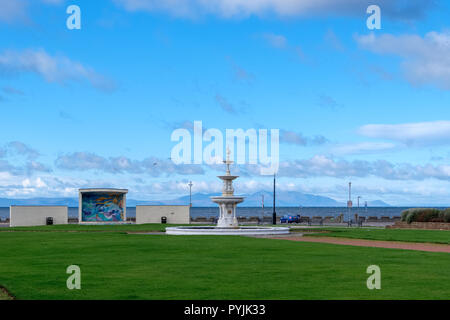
(227, 201)
(227, 223)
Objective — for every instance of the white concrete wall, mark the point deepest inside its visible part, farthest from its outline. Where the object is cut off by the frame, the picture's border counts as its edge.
(153, 214)
(24, 216)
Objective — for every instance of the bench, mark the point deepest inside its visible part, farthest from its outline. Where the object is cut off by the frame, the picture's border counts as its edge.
(253, 219)
(316, 220)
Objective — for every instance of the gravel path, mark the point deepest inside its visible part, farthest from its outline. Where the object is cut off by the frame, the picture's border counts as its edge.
(430, 247)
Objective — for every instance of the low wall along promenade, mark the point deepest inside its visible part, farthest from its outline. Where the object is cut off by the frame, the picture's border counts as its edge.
(25, 216)
(421, 225)
(153, 214)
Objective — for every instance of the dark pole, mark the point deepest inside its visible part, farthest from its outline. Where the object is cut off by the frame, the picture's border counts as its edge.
(274, 214)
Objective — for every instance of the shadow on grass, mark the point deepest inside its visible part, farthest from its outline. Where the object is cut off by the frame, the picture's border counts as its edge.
(5, 295)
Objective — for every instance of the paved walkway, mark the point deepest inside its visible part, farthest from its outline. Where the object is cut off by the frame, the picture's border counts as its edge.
(430, 247)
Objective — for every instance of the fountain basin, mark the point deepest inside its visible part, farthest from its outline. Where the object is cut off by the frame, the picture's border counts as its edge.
(217, 231)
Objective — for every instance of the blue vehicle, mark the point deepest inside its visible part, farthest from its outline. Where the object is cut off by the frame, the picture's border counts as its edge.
(290, 219)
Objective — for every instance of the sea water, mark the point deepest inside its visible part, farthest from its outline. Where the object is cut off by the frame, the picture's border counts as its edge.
(252, 211)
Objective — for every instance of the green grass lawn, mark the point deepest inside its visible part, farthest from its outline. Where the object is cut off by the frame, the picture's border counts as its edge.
(116, 265)
(408, 235)
(91, 228)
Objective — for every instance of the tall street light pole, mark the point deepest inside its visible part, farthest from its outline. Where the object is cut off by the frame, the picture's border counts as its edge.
(274, 214)
(262, 216)
(190, 193)
(349, 203)
(357, 213)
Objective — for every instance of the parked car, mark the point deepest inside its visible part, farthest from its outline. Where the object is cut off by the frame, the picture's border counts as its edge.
(290, 218)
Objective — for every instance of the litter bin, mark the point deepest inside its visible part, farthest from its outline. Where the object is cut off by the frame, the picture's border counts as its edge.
(163, 219)
(49, 221)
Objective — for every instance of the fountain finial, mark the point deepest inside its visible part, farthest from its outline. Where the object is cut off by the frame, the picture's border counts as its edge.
(228, 161)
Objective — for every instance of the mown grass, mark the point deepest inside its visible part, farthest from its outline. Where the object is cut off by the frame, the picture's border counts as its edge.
(115, 265)
(156, 227)
(407, 235)
(369, 233)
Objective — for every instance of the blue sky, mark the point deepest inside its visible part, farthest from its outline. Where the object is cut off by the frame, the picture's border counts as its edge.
(96, 107)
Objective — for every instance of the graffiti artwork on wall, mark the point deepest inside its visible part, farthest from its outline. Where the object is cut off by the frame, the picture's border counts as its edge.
(102, 207)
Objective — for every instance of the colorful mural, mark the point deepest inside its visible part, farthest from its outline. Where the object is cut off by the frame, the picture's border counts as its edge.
(101, 206)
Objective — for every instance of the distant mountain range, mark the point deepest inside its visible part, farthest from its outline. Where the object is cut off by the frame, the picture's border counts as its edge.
(283, 199)
(70, 202)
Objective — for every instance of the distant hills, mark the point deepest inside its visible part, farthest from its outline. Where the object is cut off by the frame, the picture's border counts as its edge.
(283, 199)
(70, 202)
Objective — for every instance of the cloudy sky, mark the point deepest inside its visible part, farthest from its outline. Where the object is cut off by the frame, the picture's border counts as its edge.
(96, 107)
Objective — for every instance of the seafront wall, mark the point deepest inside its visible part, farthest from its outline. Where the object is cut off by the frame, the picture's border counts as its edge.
(153, 214)
(24, 216)
(421, 225)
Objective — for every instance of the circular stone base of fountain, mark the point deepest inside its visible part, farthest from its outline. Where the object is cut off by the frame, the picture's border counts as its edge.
(216, 231)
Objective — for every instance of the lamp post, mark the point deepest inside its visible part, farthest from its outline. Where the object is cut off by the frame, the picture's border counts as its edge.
(349, 203)
(274, 214)
(357, 213)
(190, 193)
(262, 217)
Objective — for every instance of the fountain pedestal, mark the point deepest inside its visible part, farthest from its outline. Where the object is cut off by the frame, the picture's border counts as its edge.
(227, 207)
(227, 201)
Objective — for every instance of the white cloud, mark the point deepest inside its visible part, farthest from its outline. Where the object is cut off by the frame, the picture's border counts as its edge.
(53, 2)
(297, 138)
(421, 133)
(12, 91)
(16, 10)
(394, 183)
(11, 10)
(35, 166)
(362, 148)
(84, 161)
(57, 69)
(27, 168)
(333, 40)
(328, 102)
(17, 147)
(225, 104)
(397, 9)
(326, 166)
(425, 60)
(45, 186)
(20, 159)
(276, 40)
(240, 73)
(33, 183)
(279, 41)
